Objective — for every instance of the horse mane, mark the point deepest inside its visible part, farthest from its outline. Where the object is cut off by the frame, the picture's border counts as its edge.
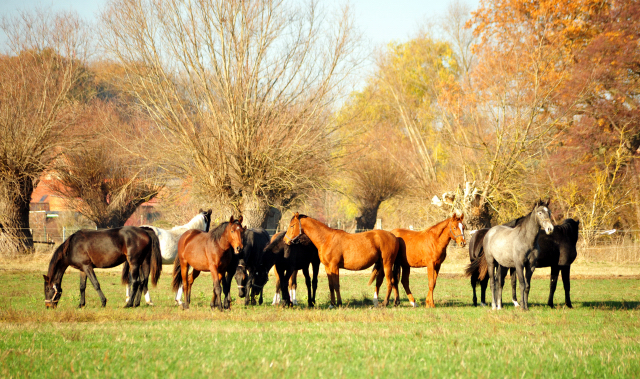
(434, 227)
(218, 231)
(61, 252)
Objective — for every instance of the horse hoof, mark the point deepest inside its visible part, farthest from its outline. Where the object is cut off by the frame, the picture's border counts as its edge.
(483, 304)
(331, 307)
(515, 304)
(150, 304)
(413, 304)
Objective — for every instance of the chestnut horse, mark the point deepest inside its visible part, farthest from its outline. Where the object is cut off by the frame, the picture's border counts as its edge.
(338, 249)
(206, 251)
(427, 248)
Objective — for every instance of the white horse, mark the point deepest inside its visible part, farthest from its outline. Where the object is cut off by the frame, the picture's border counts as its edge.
(169, 244)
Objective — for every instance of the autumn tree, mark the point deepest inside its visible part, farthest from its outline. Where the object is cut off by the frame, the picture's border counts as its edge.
(106, 179)
(39, 71)
(241, 92)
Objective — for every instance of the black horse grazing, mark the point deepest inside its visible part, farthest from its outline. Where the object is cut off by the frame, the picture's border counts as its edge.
(557, 250)
(88, 249)
(245, 264)
(288, 259)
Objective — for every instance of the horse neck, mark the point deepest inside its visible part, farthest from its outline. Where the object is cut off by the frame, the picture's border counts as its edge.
(441, 233)
(195, 223)
(315, 230)
(223, 243)
(57, 266)
(529, 227)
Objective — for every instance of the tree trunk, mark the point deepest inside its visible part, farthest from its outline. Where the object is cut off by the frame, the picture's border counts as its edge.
(477, 213)
(368, 216)
(14, 216)
(255, 211)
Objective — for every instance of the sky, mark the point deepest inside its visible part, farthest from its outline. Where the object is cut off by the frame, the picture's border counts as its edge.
(380, 21)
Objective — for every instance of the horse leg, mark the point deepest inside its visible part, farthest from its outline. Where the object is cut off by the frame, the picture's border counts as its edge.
(502, 272)
(406, 271)
(334, 285)
(388, 273)
(474, 281)
(285, 275)
(83, 287)
(226, 288)
(379, 280)
(552, 284)
(217, 291)
(514, 283)
(184, 271)
(314, 281)
(307, 281)
(92, 277)
(492, 278)
(293, 286)
(190, 279)
(566, 282)
(523, 284)
(483, 290)
(432, 275)
(136, 286)
(146, 270)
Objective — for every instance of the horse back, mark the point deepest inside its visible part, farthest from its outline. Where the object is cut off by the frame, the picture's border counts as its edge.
(359, 251)
(558, 248)
(109, 248)
(414, 247)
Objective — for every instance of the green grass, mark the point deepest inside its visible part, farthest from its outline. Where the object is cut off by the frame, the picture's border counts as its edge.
(600, 337)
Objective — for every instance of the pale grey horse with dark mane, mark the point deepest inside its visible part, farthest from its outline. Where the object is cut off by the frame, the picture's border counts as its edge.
(508, 247)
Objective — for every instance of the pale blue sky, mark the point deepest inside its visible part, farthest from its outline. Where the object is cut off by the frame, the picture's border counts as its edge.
(380, 21)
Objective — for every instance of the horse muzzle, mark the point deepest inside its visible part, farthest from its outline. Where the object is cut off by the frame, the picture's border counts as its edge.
(548, 229)
(238, 250)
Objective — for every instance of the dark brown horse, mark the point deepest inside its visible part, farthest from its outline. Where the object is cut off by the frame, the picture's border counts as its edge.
(427, 248)
(89, 249)
(207, 251)
(338, 249)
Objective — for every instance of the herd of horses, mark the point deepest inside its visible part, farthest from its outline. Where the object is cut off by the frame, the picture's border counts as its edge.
(231, 250)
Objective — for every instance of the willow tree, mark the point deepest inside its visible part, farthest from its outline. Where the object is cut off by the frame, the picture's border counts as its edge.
(39, 74)
(240, 90)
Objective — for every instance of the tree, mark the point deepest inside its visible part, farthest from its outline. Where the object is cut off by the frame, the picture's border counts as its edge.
(42, 65)
(106, 179)
(240, 91)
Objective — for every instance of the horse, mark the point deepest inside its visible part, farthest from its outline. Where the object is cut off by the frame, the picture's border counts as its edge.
(89, 249)
(517, 247)
(338, 249)
(288, 259)
(556, 250)
(245, 264)
(169, 248)
(427, 248)
(207, 251)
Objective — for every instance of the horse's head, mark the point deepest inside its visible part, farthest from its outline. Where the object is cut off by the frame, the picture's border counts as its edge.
(294, 231)
(543, 215)
(235, 232)
(456, 228)
(241, 278)
(52, 293)
(207, 218)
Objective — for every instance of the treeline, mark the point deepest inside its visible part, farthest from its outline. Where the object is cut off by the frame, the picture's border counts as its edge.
(247, 105)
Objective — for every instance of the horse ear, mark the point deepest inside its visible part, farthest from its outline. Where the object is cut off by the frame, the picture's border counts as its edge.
(240, 219)
(231, 219)
(548, 201)
(461, 216)
(46, 278)
(296, 215)
(200, 210)
(210, 211)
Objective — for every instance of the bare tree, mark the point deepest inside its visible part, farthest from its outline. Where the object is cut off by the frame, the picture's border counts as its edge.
(106, 179)
(42, 65)
(240, 90)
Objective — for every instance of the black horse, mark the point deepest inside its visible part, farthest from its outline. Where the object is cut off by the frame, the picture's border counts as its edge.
(288, 259)
(557, 250)
(245, 264)
(88, 249)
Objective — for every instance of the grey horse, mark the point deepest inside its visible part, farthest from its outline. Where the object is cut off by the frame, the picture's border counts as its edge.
(516, 247)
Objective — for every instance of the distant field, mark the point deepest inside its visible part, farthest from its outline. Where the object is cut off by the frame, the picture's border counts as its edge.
(600, 337)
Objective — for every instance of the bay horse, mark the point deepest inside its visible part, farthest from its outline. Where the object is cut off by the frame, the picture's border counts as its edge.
(169, 247)
(427, 248)
(89, 249)
(210, 251)
(505, 247)
(338, 249)
(245, 264)
(556, 250)
(288, 259)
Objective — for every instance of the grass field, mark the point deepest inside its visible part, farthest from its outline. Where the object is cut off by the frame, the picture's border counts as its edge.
(600, 337)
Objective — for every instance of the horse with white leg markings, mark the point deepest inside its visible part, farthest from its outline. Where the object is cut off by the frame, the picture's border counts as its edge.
(505, 247)
(169, 248)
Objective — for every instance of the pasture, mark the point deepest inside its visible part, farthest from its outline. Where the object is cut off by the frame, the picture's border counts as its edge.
(600, 337)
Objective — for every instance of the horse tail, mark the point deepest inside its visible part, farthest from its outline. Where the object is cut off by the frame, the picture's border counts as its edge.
(396, 272)
(156, 256)
(125, 273)
(176, 282)
(479, 264)
(374, 274)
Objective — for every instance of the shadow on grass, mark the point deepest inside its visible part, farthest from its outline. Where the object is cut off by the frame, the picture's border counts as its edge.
(611, 304)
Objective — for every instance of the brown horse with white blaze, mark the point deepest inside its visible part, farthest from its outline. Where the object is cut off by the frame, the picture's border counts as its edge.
(338, 249)
(206, 251)
(427, 248)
